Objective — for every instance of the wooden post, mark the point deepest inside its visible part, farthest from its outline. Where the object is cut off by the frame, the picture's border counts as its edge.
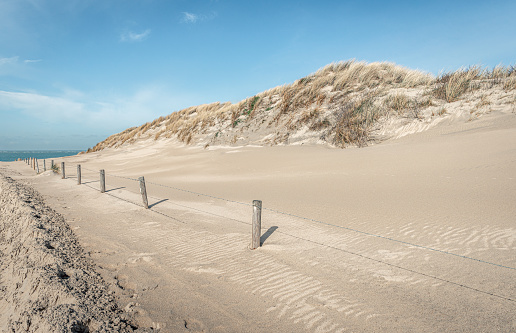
(34, 164)
(63, 170)
(257, 224)
(44, 165)
(102, 181)
(52, 164)
(78, 174)
(37, 166)
(31, 162)
(143, 191)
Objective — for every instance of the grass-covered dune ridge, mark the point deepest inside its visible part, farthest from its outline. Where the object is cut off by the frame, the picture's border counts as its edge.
(344, 104)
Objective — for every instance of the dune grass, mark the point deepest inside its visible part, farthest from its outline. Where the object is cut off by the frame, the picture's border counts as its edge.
(342, 101)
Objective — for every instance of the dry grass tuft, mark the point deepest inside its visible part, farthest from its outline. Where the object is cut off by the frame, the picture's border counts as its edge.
(354, 120)
(398, 102)
(510, 83)
(451, 86)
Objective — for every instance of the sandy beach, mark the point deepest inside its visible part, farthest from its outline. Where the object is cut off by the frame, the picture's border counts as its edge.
(415, 234)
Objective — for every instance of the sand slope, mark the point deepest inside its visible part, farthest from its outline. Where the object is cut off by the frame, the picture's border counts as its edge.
(413, 235)
(47, 285)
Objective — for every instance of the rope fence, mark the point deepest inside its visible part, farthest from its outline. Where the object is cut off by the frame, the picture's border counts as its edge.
(256, 218)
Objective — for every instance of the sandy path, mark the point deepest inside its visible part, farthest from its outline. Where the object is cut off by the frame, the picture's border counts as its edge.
(46, 282)
(442, 202)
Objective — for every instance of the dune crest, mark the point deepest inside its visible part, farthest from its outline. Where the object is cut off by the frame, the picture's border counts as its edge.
(343, 104)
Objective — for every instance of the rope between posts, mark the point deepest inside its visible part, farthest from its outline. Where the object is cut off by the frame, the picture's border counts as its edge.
(198, 193)
(340, 249)
(402, 268)
(390, 239)
(325, 223)
(341, 227)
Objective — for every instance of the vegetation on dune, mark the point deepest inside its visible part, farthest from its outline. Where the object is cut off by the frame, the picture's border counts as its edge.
(340, 103)
(55, 168)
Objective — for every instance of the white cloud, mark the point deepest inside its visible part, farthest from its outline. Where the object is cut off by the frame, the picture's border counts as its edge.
(32, 60)
(190, 18)
(11, 60)
(40, 106)
(74, 107)
(135, 37)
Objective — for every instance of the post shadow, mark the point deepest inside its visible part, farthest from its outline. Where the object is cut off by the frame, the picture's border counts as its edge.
(114, 189)
(267, 234)
(158, 202)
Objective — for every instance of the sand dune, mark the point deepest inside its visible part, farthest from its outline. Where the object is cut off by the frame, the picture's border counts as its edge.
(414, 234)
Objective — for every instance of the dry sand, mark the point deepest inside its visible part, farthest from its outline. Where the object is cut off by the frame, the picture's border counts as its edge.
(413, 235)
(47, 284)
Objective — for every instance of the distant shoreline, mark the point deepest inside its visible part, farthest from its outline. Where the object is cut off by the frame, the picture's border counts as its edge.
(12, 155)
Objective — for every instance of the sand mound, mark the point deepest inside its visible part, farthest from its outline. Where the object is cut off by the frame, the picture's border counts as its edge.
(342, 105)
(47, 284)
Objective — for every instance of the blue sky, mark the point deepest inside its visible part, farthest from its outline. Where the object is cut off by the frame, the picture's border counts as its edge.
(73, 72)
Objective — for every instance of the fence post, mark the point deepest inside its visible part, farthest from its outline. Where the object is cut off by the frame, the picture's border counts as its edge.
(31, 159)
(52, 164)
(63, 170)
(257, 224)
(34, 165)
(143, 191)
(37, 167)
(102, 181)
(78, 174)
(44, 165)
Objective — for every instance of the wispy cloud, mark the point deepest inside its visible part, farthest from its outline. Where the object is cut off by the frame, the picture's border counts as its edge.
(190, 17)
(194, 18)
(135, 37)
(11, 60)
(41, 106)
(15, 60)
(78, 108)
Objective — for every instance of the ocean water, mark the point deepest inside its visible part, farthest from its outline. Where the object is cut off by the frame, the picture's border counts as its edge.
(12, 155)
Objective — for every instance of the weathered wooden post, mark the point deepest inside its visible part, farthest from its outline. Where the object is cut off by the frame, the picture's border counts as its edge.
(102, 181)
(37, 166)
(63, 170)
(34, 164)
(257, 224)
(31, 162)
(44, 165)
(78, 174)
(52, 164)
(143, 191)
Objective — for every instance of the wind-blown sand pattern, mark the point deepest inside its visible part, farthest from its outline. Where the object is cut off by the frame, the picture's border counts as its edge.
(415, 234)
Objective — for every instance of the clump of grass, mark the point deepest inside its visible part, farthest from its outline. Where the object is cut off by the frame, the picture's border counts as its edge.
(354, 121)
(309, 116)
(55, 168)
(451, 86)
(252, 104)
(424, 102)
(397, 102)
(484, 101)
(510, 83)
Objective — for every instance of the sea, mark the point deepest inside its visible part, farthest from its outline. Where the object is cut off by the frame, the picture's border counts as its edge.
(12, 155)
